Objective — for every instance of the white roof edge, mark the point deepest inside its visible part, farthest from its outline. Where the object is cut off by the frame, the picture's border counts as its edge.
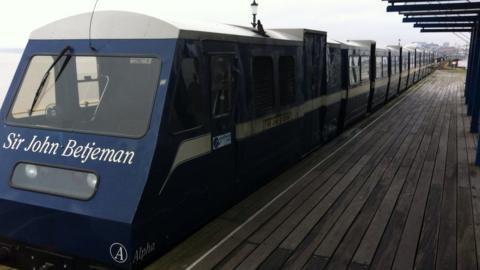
(130, 25)
(107, 25)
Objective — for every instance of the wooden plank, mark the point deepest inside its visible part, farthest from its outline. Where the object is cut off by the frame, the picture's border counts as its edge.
(371, 239)
(427, 246)
(344, 252)
(406, 251)
(316, 262)
(387, 248)
(350, 242)
(276, 259)
(447, 242)
(332, 240)
(466, 250)
(234, 258)
(474, 174)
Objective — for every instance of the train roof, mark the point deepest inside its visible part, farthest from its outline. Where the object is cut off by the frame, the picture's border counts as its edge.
(334, 43)
(395, 49)
(361, 43)
(299, 33)
(130, 25)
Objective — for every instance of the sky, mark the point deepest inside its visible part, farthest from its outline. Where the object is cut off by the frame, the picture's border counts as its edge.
(343, 19)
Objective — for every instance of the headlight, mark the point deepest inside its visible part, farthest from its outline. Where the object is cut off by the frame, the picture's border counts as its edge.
(31, 171)
(92, 180)
(56, 181)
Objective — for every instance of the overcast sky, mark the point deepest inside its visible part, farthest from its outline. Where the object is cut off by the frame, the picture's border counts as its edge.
(343, 19)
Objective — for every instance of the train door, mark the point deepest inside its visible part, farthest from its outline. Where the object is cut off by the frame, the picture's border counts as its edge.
(223, 89)
(314, 66)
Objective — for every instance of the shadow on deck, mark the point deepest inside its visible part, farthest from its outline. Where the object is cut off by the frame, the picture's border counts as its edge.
(402, 193)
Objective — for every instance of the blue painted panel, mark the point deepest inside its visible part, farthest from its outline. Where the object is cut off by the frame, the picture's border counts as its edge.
(45, 220)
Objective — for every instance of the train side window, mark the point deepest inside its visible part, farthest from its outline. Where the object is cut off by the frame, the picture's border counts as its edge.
(393, 65)
(397, 64)
(88, 82)
(379, 67)
(222, 84)
(188, 108)
(354, 70)
(385, 66)
(365, 68)
(286, 68)
(264, 86)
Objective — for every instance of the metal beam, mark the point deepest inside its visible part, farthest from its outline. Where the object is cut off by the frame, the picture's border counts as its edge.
(410, 1)
(446, 30)
(442, 19)
(425, 7)
(441, 12)
(443, 25)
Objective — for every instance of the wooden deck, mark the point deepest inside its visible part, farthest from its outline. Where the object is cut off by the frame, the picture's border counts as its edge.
(399, 192)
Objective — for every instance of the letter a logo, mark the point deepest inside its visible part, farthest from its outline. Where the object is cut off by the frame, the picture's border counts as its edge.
(118, 252)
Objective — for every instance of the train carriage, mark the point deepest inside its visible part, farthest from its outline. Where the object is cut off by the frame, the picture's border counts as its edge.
(396, 74)
(405, 72)
(358, 62)
(125, 133)
(421, 63)
(335, 92)
(411, 56)
(416, 65)
(381, 73)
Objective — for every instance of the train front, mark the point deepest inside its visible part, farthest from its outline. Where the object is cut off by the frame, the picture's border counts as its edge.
(79, 130)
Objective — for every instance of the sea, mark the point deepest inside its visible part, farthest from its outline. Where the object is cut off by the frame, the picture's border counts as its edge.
(8, 64)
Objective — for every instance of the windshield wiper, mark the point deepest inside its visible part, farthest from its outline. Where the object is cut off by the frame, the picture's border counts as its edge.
(47, 74)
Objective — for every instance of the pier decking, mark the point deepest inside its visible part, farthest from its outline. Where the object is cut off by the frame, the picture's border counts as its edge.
(398, 192)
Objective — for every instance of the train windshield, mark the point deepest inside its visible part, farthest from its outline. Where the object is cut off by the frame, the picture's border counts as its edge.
(100, 95)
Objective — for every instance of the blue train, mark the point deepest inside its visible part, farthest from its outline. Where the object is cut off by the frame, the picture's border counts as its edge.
(121, 141)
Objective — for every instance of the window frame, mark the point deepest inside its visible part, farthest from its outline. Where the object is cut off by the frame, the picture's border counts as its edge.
(368, 74)
(356, 69)
(96, 133)
(232, 81)
(171, 106)
(274, 104)
(294, 92)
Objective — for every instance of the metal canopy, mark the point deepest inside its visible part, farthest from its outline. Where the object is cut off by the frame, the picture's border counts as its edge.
(417, 1)
(444, 25)
(438, 6)
(439, 15)
(442, 12)
(441, 19)
(446, 30)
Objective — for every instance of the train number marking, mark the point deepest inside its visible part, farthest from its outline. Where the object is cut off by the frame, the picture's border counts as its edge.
(118, 252)
(221, 141)
(144, 251)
